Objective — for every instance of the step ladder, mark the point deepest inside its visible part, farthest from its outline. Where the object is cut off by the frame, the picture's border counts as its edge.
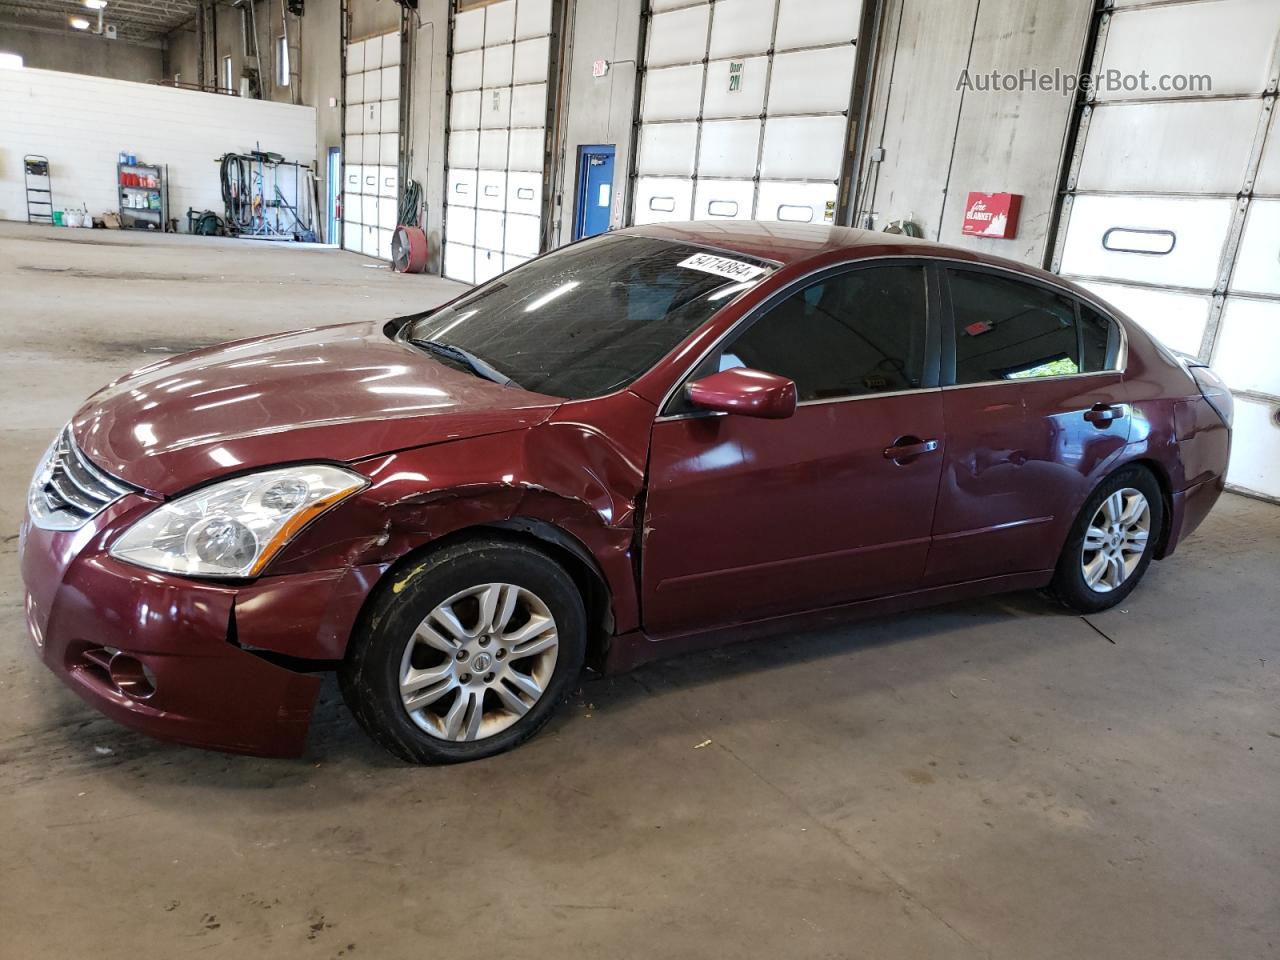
(39, 188)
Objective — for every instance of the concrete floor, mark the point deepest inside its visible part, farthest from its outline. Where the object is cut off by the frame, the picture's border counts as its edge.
(995, 779)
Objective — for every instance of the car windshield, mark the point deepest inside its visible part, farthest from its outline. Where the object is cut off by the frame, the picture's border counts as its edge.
(590, 318)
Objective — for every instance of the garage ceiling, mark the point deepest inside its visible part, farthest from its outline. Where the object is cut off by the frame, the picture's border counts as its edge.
(134, 19)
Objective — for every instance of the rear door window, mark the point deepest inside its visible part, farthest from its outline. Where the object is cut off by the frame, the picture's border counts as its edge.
(1006, 329)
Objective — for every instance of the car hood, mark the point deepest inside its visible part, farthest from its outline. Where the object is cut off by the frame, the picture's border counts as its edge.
(342, 393)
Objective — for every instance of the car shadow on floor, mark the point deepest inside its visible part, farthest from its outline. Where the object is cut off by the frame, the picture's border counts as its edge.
(81, 739)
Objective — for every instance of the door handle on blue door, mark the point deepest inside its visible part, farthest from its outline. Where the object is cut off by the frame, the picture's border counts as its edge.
(906, 449)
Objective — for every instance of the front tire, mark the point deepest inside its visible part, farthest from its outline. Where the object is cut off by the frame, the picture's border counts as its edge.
(467, 653)
(1111, 542)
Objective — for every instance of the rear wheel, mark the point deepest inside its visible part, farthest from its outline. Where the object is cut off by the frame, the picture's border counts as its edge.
(1111, 542)
(467, 654)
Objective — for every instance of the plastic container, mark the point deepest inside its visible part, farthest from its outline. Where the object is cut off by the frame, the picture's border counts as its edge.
(57, 218)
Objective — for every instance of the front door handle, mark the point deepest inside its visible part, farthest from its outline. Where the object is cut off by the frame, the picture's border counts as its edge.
(1101, 415)
(906, 449)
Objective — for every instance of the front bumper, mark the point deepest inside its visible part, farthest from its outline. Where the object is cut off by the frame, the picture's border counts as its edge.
(194, 638)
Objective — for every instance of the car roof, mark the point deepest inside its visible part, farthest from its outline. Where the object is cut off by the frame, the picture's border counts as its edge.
(790, 244)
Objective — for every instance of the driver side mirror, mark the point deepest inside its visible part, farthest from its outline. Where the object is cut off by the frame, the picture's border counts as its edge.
(746, 392)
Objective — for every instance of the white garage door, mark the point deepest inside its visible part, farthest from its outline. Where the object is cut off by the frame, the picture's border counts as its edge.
(497, 138)
(371, 145)
(1174, 209)
(744, 112)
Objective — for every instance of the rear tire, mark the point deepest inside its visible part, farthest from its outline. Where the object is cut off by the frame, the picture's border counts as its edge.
(467, 653)
(1111, 542)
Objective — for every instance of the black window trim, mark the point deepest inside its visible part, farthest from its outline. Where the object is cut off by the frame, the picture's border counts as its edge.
(930, 379)
(1118, 366)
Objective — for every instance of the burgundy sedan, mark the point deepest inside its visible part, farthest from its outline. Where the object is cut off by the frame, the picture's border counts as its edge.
(648, 442)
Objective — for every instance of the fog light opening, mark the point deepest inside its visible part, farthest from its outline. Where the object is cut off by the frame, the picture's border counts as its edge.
(132, 677)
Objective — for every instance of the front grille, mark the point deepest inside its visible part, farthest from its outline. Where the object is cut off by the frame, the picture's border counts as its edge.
(68, 490)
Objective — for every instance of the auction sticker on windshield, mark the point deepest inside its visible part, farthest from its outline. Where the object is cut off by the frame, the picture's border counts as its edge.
(722, 266)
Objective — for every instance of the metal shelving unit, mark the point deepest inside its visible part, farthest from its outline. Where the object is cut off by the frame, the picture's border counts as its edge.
(155, 213)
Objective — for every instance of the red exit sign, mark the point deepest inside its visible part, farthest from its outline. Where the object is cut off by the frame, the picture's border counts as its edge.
(992, 215)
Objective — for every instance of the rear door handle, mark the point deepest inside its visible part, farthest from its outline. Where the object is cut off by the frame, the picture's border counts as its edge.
(908, 448)
(1101, 414)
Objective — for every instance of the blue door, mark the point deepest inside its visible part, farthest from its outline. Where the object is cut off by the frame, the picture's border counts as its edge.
(595, 190)
(333, 213)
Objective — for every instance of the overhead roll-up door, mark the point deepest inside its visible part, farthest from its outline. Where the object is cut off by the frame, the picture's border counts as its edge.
(371, 145)
(1173, 205)
(499, 66)
(744, 111)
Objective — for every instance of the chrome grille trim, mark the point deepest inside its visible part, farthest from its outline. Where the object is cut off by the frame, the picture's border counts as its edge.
(68, 489)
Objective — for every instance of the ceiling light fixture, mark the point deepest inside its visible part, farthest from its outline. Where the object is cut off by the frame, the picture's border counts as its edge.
(78, 23)
(12, 60)
(95, 4)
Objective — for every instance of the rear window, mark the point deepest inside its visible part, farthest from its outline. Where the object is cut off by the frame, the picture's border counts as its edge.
(590, 318)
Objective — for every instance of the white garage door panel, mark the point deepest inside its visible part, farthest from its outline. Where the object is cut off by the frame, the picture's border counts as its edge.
(460, 262)
(500, 23)
(464, 110)
(1230, 40)
(729, 148)
(1268, 179)
(492, 189)
(461, 187)
(388, 184)
(353, 178)
(464, 147)
(372, 85)
(667, 149)
(390, 83)
(724, 200)
(489, 229)
(390, 49)
(468, 31)
(489, 263)
(497, 65)
(370, 118)
(371, 53)
(741, 27)
(388, 147)
(672, 93)
(660, 199)
(528, 147)
(812, 81)
(808, 23)
(1175, 319)
(1258, 259)
(355, 57)
(529, 105)
(524, 193)
(679, 36)
(796, 202)
(522, 235)
(354, 118)
(493, 148)
(1248, 350)
(722, 100)
(495, 107)
(1255, 448)
(530, 61)
(510, 261)
(461, 224)
(808, 148)
(533, 18)
(468, 70)
(369, 210)
(1183, 147)
(390, 116)
(1194, 230)
(355, 88)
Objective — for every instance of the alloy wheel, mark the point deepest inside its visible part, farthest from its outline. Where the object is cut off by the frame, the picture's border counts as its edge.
(1115, 540)
(478, 662)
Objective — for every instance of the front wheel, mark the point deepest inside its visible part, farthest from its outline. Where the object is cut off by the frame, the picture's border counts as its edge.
(1111, 542)
(468, 653)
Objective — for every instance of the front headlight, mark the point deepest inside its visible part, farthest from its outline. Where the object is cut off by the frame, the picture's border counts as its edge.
(234, 528)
